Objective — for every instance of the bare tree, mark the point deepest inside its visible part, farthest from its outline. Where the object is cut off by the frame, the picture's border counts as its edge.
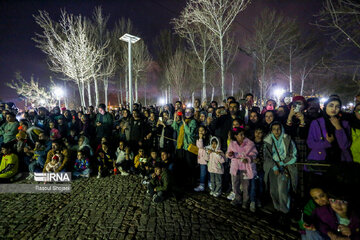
(272, 32)
(32, 91)
(69, 49)
(217, 16)
(199, 39)
(176, 73)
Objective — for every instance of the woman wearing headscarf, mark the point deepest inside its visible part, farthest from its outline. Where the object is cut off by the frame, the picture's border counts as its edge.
(329, 136)
(355, 133)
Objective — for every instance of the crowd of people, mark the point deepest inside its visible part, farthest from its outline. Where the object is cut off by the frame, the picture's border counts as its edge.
(285, 154)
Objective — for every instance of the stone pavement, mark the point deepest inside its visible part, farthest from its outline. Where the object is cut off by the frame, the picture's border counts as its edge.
(116, 207)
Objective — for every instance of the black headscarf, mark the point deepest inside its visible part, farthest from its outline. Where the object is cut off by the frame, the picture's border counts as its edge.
(330, 129)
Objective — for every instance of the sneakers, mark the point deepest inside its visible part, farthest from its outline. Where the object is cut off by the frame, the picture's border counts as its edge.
(99, 175)
(217, 194)
(210, 187)
(252, 207)
(231, 196)
(123, 173)
(199, 188)
(145, 182)
(211, 193)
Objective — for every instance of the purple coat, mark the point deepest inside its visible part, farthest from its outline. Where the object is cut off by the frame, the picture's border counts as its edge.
(326, 221)
(318, 144)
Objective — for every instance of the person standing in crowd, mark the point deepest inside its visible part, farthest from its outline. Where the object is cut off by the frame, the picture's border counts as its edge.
(137, 131)
(202, 158)
(165, 132)
(355, 133)
(269, 106)
(242, 152)
(215, 167)
(328, 136)
(104, 123)
(280, 169)
(313, 110)
(186, 128)
(269, 118)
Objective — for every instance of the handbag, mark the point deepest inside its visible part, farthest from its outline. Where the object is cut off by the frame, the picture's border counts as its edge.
(193, 149)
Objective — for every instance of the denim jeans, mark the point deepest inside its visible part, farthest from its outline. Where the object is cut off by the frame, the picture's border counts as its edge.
(78, 173)
(257, 187)
(203, 173)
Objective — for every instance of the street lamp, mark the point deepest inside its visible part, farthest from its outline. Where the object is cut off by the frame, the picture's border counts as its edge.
(278, 92)
(130, 39)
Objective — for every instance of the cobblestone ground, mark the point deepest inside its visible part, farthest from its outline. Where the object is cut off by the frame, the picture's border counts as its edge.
(116, 207)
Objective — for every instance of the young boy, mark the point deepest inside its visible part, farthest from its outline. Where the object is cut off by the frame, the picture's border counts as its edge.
(9, 163)
(257, 183)
(140, 161)
(159, 186)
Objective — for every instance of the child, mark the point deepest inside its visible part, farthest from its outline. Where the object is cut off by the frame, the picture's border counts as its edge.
(215, 166)
(242, 152)
(38, 158)
(257, 183)
(105, 161)
(202, 158)
(123, 159)
(81, 168)
(159, 186)
(54, 164)
(140, 161)
(54, 133)
(153, 160)
(165, 161)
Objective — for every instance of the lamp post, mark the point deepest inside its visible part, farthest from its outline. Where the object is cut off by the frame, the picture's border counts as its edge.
(130, 39)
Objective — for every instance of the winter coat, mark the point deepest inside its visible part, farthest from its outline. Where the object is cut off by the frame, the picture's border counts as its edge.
(64, 161)
(355, 146)
(202, 155)
(325, 220)
(9, 130)
(189, 132)
(247, 151)
(162, 183)
(105, 129)
(9, 165)
(318, 144)
(287, 151)
(216, 159)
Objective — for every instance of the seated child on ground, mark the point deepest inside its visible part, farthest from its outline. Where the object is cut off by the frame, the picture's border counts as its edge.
(160, 185)
(123, 159)
(54, 164)
(105, 161)
(82, 165)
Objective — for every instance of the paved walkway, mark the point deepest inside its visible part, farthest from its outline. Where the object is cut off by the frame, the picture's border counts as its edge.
(116, 208)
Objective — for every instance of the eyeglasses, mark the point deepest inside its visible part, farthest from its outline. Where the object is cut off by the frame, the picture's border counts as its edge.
(337, 201)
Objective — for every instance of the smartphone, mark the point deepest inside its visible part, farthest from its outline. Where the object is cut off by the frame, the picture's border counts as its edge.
(143, 160)
(209, 114)
(297, 108)
(160, 119)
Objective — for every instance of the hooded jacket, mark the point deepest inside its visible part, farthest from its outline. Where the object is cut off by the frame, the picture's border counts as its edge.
(287, 151)
(202, 157)
(247, 151)
(216, 158)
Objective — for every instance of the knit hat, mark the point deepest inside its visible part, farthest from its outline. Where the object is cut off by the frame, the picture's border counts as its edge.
(56, 157)
(22, 135)
(299, 98)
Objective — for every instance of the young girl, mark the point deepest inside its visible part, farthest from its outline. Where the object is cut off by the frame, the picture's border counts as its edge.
(242, 152)
(215, 165)
(105, 161)
(54, 164)
(140, 161)
(123, 159)
(202, 158)
(54, 132)
(81, 167)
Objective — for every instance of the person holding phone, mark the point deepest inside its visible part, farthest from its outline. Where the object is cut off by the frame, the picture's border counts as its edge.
(329, 135)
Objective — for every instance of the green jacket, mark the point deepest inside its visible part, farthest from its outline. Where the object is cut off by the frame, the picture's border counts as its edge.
(308, 209)
(106, 121)
(9, 131)
(355, 146)
(189, 132)
(162, 183)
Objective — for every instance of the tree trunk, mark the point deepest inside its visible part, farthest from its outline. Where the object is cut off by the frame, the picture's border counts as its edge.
(106, 85)
(127, 90)
(118, 97)
(145, 95)
(65, 97)
(212, 93)
(232, 84)
(302, 86)
(254, 70)
(121, 92)
(169, 94)
(222, 67)
(96, 92)
(136, 88)
(89, 92)
(204, 82)
(192, 98)
(290, 70)
(166, 96)
(262, 85)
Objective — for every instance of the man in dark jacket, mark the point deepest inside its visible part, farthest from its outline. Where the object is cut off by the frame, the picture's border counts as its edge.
(104, 123)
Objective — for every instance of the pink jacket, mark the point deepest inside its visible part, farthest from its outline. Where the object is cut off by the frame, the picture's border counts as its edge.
(203, 157)
(247, 151)
(216, 159)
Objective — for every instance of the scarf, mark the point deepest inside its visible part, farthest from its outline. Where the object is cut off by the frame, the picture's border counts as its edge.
(180, 139)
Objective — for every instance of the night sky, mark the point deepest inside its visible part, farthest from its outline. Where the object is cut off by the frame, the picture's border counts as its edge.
(17, 27)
